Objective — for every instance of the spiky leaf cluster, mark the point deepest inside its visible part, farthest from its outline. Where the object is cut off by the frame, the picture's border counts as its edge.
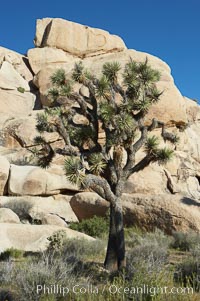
(43, 119)
(97, 163)
(110, 70)
(74, 170)
(160, 155)
(58, 78)
(82, 136)
(62, 87)
(164, 155)
(45, 154)
(139, 80)
(80, 74)
(106, 112)
(103, 87)
(151, 145)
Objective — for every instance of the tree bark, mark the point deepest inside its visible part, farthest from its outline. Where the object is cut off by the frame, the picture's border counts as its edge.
(115, 256)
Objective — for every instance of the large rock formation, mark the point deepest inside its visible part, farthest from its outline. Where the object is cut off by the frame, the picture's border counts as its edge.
(75, 38)
(36, 208)
(32, 238)
(164, 211)
(160, 196)
(32, 180)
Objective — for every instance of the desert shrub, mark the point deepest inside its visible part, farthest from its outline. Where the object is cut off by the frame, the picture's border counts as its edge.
(21, 208)
(95, 226)
(56, 241)
(20, 89)
(40, 270)
(151, 250)
(188, 274)
(185, 241)
(82, 248)
(11, 253)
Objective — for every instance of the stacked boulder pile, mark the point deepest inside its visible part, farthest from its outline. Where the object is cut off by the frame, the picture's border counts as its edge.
(35, 203)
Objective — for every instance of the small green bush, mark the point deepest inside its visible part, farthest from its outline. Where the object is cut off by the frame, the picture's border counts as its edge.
(185, 241)
(82, 249)
(188, 274)
(11, 253)
(20, 89)
(56, 241)
(95, 226)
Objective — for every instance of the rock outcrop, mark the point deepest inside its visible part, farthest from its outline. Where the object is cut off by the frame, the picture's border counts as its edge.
(166, 212)
(74, 38)
(36, 208)
(32, 238)
(8, 216)
(32, 180)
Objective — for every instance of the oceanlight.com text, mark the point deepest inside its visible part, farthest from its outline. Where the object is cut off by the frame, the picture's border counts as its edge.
(80, 289)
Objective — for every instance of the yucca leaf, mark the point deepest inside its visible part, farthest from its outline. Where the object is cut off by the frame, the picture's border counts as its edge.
(164, 155)
(103, 87)
(106, 111)
(59, 77)
(78, 72)
(151, 145)
(110, 70)
(97, 163)
(74, 170)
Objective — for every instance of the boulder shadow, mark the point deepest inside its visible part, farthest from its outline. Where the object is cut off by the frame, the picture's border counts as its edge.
(190, 202)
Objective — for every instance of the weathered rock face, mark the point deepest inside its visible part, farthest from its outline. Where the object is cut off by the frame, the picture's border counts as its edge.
(166, 212)
(10, 79)
(14, 103)
(32, 238)
(18, 61)
(52, 219)
(32, 180)
(87, 204)
(38, 207)
(40, 58)
(152, 180)
(74, 38)
(8, 216)
(23, 131)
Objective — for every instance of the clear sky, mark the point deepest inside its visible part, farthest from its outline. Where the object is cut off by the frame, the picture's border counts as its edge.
(169, 29)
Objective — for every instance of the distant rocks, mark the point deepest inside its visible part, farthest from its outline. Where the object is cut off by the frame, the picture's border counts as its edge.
(75, 38)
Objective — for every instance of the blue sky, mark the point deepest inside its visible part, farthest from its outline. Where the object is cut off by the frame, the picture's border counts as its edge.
(168, 29)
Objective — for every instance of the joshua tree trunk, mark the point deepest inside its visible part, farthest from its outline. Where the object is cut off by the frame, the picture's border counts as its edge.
(115, 257)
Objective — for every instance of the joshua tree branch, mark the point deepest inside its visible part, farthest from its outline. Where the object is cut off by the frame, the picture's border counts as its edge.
(100, 186)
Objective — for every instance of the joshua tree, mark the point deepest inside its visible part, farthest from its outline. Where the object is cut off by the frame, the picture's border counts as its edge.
(117, 110)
